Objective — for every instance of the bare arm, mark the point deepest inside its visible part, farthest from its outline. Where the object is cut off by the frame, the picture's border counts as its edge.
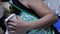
(48, 17)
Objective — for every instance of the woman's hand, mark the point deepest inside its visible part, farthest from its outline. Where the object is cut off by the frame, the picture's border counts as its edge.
(17, 26)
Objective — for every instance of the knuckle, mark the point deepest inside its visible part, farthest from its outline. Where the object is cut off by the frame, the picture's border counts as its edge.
(15, 25)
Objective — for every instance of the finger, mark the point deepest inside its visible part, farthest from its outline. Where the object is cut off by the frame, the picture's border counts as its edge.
(18, 17)
(10, 28)
(11, 32)
(12, 24)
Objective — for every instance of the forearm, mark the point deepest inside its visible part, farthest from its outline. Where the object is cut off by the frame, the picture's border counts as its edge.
(44, 22)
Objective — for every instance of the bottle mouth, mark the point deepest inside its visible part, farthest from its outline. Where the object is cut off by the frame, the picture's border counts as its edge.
(1, 12)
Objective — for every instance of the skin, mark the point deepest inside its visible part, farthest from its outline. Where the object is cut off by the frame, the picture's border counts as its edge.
(16, 25)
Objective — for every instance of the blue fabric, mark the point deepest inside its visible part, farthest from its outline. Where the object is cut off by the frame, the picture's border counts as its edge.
(57, 25)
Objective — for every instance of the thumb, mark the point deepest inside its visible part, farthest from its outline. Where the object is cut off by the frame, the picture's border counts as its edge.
(19, 18)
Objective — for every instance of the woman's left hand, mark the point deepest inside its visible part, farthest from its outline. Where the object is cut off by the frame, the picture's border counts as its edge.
(17, 26)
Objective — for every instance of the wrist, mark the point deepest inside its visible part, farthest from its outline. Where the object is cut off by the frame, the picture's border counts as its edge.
(29, 26)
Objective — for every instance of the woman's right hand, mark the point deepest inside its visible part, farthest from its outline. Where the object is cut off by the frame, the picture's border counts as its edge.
(17, 26)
